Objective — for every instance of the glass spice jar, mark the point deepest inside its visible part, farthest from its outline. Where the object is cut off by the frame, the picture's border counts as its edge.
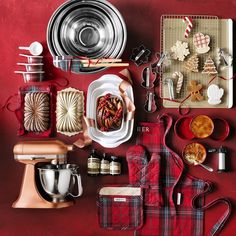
(105, 165)
(115, 166)
(93, 164)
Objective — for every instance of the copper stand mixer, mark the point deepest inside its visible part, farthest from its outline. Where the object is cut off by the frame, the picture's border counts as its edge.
(53, 153)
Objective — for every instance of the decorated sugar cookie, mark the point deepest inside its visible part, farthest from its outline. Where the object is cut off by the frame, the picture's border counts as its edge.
(180, 50)
(201, 43)
(192, 63)
(209, 67)
(214, 94)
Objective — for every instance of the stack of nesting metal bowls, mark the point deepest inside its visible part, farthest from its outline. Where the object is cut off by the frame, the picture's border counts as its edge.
(89, 28)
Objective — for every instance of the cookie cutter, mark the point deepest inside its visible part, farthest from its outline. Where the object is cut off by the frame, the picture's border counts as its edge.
(225, 57)
(148, 78)
(162, 61)
(140, 55)
(170, 84)
(150, 103)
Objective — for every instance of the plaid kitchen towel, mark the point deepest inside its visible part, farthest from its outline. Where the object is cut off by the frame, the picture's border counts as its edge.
(120, 208)
(172, 203)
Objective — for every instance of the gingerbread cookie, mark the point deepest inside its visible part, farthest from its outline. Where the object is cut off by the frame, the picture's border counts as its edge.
(180, 50)
(201, 43)
(194, 90)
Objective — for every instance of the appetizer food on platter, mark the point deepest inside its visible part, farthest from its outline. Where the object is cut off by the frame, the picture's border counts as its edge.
(109, 113)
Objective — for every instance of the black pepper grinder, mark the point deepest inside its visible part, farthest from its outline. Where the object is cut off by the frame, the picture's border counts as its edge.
(115, 166)
(105, 165)
(93, 165)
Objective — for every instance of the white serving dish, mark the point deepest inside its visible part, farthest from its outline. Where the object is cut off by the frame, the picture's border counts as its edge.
(109, 137)
(96, 89)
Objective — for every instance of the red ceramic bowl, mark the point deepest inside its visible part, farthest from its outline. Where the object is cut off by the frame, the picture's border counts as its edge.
(221, 129)
(182, 129)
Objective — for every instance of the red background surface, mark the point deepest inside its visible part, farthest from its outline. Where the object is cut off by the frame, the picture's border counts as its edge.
(24, 21)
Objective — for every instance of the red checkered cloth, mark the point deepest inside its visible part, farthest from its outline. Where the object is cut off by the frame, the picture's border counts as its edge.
(120, 208)
(163, 178)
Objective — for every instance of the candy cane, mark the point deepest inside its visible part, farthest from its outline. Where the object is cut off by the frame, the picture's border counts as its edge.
(178, 75)
(189, 22)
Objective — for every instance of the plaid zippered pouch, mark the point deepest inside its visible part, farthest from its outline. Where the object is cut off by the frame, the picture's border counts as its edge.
(120, 208)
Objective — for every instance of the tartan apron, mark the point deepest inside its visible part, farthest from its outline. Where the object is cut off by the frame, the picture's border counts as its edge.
(173, 199)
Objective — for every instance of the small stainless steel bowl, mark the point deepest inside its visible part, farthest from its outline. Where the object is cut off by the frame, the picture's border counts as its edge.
(87, 28)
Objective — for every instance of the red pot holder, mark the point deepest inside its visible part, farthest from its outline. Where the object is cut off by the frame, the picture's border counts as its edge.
(120, 208)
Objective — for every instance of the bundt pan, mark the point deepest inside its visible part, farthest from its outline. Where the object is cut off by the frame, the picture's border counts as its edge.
(87, 28)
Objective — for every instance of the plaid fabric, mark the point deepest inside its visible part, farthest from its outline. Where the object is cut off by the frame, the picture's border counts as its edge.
(120, 212)
(150, 135)
(163, 178)
(201, 40)
(145, 174)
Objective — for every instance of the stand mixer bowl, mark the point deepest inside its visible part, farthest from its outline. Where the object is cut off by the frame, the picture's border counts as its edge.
(59, 180)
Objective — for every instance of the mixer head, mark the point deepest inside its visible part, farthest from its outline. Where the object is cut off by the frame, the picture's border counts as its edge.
(41, 151)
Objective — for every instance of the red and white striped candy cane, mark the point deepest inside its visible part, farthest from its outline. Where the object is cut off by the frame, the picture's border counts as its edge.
(189, 21)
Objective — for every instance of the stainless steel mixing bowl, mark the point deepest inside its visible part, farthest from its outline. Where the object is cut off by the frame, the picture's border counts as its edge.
(59, 180)
(90, 28)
